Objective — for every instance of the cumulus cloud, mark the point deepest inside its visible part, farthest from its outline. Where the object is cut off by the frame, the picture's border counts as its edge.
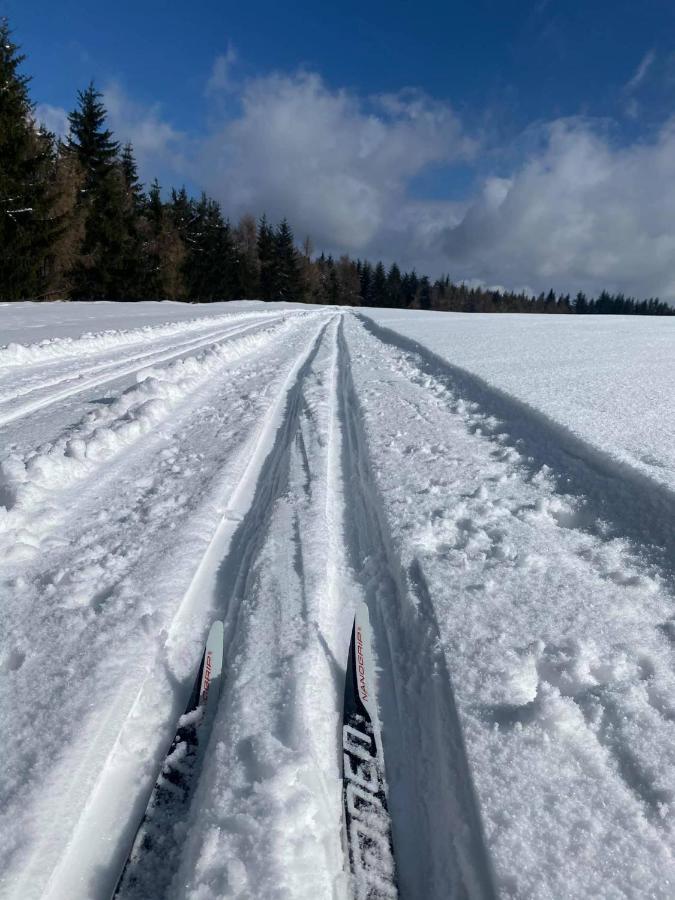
(336, 165)
(158, 146)
(582, 214)
(578, 211)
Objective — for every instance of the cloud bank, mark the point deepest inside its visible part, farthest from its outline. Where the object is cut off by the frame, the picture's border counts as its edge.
(337, 166)
(582, 214)
(579, 211)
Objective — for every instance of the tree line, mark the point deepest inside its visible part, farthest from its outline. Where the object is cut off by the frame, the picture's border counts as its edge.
(76, 223)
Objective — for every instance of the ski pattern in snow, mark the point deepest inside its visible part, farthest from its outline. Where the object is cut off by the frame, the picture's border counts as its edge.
(148, 866)
(367, 822)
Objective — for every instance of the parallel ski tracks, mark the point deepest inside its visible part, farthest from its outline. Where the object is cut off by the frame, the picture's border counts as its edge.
(469, 414)
(359, 562)
(108, 807)
(96, 376)
(439, 844)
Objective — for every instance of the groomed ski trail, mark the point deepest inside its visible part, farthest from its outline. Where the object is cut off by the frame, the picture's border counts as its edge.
(523, 640)
(438, 835)
(43, 389)
(267, 816)
(121, 625)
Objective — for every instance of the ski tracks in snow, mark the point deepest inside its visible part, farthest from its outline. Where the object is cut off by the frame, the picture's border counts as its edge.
(106, 570)
(550, 622)
(272, 478)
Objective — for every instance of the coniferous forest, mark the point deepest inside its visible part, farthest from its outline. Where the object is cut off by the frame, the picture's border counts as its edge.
(76, 223)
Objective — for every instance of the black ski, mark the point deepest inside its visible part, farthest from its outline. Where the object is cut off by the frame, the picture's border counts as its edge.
(151, 861)
(367, 822)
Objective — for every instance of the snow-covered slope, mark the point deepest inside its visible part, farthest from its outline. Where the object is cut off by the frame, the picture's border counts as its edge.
(163, 466)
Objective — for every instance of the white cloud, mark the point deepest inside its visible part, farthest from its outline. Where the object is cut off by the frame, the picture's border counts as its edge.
(221, 72)
(337, 166)
(581, 214)
(643, 68)
(158, 146)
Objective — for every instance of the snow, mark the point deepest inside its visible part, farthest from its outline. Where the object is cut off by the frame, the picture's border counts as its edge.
(497, 489)
(609, 380)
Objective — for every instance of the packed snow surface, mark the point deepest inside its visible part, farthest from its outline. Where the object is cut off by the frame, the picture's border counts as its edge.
(499, 490)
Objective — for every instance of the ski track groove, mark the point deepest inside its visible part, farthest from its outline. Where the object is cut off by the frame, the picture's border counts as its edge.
(613, 499)
(439, 843)
(238, 590)
(611, 492)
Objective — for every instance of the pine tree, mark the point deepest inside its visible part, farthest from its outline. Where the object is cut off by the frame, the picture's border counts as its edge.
(93, 144)
(424, 293)
(162, 250)
(287, 272)
(130, 174)
(333, 283)
(266, 258)
(211, 264)
(366, 274)
(379, 286)
(394, 290)
(409, 285)
(29, 225)
(109, 265)
(246, 242)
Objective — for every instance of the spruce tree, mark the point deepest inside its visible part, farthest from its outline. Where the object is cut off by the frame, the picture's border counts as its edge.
(89, 140)
(153, 226)
(424, 293)
(379, 286)
(29, 226)
(130, 173)
(333, 284)
(394, 290)
(366, 274)
(246, 242)
(211, 264)
(109, 266)
(266, 260)
(288, 284)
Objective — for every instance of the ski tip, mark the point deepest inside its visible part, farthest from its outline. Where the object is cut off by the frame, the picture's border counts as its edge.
(363, 659)
(217, 630)
(212, 665)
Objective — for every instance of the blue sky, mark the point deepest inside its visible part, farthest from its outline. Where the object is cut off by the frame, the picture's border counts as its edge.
(497, 141)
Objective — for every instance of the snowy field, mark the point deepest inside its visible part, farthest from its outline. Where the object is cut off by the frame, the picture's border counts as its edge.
(500, 490)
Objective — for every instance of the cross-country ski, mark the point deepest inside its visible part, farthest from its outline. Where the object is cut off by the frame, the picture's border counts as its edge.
(368, 829)
(148, 868)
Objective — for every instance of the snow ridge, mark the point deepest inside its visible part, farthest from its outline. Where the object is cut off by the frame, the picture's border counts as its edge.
(29, 483)
(94, 343)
